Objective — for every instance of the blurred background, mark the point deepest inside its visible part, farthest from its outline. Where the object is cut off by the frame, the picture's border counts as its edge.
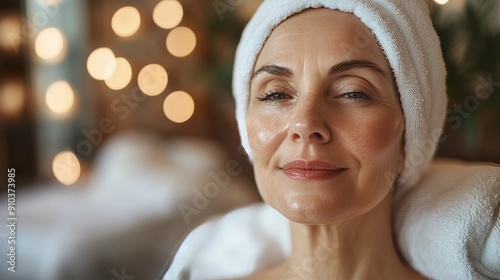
(117, 125)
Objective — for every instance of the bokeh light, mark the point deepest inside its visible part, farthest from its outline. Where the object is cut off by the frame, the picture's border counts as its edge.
(10, 32)
(66, 167)
(12, 98)
(101, 63)
(181, 41)
(60, 97)
(168, 14)
(178, 106)
(152, 79)
(50, 44)
(126, 21)
(441, 2)
(122, 75)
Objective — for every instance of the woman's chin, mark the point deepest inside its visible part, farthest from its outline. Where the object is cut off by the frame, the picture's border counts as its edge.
(316, 213)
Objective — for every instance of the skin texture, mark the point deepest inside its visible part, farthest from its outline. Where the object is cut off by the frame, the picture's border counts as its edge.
(328, 94)
(311, 118)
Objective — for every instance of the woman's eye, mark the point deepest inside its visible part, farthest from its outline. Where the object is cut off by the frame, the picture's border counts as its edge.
(274, 96)
(356, 95)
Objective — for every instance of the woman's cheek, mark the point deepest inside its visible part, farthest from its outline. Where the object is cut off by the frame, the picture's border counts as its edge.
(265, 133)
(264, 140)
(378, 142)
(387, 134)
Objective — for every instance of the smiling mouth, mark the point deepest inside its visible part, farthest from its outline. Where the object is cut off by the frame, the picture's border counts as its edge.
(311, 170)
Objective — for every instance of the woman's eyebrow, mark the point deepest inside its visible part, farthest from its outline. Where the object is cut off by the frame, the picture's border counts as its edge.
(282, 71)
(274, 70)
(356, 64)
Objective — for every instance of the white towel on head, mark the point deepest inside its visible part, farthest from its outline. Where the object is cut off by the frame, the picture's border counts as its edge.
(448, 227)
(404, 30)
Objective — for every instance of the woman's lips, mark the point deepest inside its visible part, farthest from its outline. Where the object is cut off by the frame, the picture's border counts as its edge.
(311, 170)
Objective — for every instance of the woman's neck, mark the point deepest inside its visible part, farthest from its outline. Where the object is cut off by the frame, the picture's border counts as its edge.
(358, 248)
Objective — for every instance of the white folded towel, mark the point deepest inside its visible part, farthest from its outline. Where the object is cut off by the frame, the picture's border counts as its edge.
(404, 30)
(238, 244)
(448, 227)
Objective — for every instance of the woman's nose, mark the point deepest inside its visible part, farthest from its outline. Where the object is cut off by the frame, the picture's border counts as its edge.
(308, 125)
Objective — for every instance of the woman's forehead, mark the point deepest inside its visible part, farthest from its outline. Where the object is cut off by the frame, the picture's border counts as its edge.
(309, 19)
(333, 34)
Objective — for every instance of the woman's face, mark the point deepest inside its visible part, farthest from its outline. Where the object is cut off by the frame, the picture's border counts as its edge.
(324, 120)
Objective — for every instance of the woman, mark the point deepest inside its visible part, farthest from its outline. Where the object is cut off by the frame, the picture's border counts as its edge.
(324, 123)
(340, 105)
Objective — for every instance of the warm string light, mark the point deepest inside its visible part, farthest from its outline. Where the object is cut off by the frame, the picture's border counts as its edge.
(50, 44)
(168, 14)
(60, 97)
(152, 79)
(126, 21)
(121, 76)
(101, 63)
(66, 168)
(178, 106)
(181, 41)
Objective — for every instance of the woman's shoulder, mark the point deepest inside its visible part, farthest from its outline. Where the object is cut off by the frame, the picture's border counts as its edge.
(236, 244)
